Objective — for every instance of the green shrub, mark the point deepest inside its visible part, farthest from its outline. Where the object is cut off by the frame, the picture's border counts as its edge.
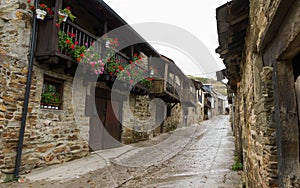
(238, 165)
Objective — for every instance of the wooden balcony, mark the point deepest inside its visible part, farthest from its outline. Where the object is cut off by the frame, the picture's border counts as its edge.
(47, 49)
(188, 98)
(168, 81)
(165, 90)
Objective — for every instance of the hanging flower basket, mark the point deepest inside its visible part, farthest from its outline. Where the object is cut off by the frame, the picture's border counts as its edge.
(62, 16)
(40, 14)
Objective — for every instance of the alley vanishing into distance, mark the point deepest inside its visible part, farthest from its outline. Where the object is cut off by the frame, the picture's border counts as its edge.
(196, 156)
(205, 162)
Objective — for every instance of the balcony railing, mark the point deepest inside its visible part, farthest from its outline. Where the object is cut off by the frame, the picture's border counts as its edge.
(48, 43)
(168, 91)
(83, 37)
(48, 50)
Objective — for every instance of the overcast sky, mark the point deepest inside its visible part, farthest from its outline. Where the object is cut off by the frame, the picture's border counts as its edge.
(196, 16)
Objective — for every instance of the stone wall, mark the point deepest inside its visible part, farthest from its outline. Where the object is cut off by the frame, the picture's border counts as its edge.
(254, 104)
(58, 127)
(14, 44)
(174, 120)
(256, 134)
(138, 119)
(51, 136)
(192, 116)
(80, 89)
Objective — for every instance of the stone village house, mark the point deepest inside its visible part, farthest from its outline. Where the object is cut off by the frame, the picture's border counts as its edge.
(87, 115)
(260, 46)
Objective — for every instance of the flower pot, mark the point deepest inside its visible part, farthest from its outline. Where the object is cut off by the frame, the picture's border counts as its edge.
(63, 16)
(107, 44)
(40, 14)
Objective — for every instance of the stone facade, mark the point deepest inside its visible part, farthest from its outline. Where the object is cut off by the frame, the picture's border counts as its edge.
(265, 116)
(174, 120)
(140, 123)
(13, 72)
(51, 136)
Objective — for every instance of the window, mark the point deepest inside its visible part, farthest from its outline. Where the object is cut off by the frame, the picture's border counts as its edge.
(200, 96)
(52, 93)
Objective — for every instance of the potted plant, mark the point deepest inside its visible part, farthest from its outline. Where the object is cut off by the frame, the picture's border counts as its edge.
(67, 42)
(40, 14)
(50, 98)
(63, 14)
(41, 11)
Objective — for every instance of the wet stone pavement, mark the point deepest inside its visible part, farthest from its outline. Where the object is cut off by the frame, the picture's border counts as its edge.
(205, 162)
(199, 156)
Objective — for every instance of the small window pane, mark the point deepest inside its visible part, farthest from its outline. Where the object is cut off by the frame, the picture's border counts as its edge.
(52, 93)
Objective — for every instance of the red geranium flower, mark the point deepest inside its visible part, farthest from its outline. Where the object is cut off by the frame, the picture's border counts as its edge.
(42, 5)
(32, 7)
(50, 11)
(72, 35)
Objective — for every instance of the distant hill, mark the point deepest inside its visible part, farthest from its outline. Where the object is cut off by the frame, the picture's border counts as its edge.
(219, 87)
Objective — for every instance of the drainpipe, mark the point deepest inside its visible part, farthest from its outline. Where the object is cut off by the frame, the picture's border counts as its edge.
(27, 94)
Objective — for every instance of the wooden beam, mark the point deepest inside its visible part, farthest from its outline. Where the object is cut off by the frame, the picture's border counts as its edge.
(286, 122)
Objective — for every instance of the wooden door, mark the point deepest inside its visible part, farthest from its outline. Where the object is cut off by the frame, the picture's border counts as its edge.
(112, 136)
(105, 128)
(159, 117)
(96, 125)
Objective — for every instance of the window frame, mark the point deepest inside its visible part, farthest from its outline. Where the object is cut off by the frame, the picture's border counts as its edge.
(59, 87)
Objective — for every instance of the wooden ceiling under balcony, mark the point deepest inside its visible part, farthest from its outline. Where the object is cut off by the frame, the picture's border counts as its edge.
(232, 23)
(98, 18)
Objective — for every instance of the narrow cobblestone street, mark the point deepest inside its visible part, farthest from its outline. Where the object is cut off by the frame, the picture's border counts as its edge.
(197, 156)
(205, 162)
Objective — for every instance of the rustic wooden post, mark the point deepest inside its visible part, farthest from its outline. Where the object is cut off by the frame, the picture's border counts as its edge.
(149, 64)
(286, 122)
(174, 83)
(58, 5)
(131, 50)
(165, 76)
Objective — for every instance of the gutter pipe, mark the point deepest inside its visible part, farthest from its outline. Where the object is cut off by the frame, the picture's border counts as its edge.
(27, 95)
